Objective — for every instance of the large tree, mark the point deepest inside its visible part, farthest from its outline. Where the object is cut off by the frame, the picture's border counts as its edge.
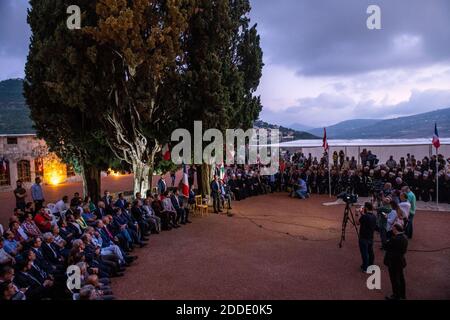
(59, 89)
(138, 49)
(223, 69)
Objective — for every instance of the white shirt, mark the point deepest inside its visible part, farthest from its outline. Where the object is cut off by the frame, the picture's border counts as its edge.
(167, 205)
(406, 207)
(392, 219)
(148, 210)
(61, 206)
(22, 233)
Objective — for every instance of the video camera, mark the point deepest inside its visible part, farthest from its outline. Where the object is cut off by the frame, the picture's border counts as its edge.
(348, 197)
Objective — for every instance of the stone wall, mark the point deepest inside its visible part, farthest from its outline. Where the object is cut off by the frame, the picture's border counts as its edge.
(29, 148)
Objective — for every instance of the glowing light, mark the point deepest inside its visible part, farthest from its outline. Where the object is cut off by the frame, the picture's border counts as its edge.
(113, 173)
(55, 172)
(55, 180)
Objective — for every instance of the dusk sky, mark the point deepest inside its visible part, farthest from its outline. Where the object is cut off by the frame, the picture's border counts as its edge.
(323, 65)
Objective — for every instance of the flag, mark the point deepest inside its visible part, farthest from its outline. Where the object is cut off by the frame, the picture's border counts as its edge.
(185, 182)
(436, 141)
(222, 171)
(166, 153)
(326, 147)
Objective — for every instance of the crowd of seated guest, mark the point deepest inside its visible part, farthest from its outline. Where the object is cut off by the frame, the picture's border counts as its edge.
(42, 241)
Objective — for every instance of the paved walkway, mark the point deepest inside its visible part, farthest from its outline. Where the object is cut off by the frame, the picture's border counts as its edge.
(275, 247)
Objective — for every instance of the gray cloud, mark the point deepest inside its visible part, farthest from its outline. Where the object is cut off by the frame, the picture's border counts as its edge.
(14, 38)
(331, 38)
(327, 110)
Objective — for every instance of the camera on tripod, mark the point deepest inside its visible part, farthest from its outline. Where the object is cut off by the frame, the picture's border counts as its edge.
(348, 198)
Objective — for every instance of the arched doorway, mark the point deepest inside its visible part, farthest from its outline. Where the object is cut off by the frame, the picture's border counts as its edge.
(24, 170)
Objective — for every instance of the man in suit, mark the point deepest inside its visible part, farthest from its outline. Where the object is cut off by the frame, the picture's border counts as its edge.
(177, 203)
(121, 202)
(394, 259)
(36, 287)
(50, 250)
(215, 193)
(108, 200)
(41, 261)
(100, 212)
(162, 186)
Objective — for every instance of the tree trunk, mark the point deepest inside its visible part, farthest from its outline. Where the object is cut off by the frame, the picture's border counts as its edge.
(199, 179)
(140, 180)
(91, 182)
(150, 177)
(206, 179)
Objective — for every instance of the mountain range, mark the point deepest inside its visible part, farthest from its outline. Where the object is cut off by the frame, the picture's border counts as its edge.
(15, 119)
(417, 126)
(14, 113)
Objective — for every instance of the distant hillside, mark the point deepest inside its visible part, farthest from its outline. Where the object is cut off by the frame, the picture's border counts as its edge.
(344, 128)
(418, 126)
(14, 113)
(296, 135)
(301, 127)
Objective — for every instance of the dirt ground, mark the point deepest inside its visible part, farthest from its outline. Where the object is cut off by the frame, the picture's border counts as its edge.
(275, 247)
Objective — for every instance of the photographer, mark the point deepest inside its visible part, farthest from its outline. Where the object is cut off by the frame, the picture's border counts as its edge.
(367, 222)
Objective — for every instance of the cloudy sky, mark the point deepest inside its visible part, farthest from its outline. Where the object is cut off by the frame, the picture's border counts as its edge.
(323, 65)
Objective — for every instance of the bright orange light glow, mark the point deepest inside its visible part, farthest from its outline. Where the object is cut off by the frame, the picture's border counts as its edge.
(55, 172)
(113, 173)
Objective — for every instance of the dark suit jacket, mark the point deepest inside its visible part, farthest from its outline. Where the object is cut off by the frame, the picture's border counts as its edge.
(35, 287)
(215, 187)
(162, 187)
(395, 252)
(51, 256)
(106, 240)
(42, 262)
(176, 205)
(122, 204)
(137, 214)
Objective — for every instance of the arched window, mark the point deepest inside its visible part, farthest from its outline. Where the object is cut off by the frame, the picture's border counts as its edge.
(24, 171)
(5, 178)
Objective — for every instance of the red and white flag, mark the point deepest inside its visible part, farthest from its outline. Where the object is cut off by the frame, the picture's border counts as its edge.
(436, 140)
(166, 153)
(326, 147)
(185, 182)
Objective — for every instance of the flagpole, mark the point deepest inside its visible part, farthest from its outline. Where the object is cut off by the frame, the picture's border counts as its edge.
(329, 171)
(437, 178)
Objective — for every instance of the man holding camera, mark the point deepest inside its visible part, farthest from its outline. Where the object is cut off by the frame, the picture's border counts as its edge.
(367, 222)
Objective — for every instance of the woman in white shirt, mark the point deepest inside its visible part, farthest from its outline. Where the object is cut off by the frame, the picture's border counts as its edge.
(404, 205)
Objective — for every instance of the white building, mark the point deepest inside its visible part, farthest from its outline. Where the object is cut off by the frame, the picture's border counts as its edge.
(24, 157)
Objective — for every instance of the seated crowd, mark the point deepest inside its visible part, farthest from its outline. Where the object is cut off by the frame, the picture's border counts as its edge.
(41, 242)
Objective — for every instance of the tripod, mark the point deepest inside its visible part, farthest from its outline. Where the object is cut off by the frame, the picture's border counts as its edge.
(348, 217)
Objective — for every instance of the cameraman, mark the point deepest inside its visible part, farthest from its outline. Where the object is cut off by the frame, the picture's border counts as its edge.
(367, 223)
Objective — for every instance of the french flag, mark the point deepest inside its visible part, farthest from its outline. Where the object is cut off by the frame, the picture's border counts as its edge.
(436, 140)
(166, 153)
(185, 182)
(326, 147)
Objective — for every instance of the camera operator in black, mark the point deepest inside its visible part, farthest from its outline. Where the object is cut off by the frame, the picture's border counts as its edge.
(367, 223)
